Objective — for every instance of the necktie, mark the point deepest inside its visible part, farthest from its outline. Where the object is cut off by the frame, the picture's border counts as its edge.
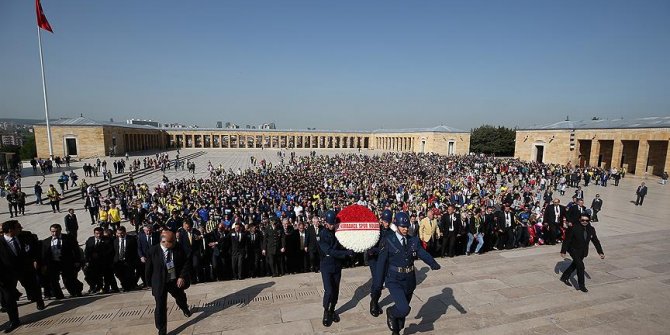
(96, 242)
(404, 243)
(190, 238)
(149, 240)
(17, 248)
(585, 236)
(58, 244)
(253, 237)
(122, 249)
(239, 237)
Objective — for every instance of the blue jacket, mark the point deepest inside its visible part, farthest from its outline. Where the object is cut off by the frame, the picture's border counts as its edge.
(332, 253)
(392, 256)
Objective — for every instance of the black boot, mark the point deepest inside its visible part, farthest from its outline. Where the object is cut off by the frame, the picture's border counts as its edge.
(334, 316)
(327, 321)
(392, 322)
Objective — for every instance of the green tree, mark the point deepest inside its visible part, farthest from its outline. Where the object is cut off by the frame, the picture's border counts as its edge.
(29, 149)
(489, 140)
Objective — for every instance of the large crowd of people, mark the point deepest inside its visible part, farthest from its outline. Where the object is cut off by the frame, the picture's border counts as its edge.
(264, 221)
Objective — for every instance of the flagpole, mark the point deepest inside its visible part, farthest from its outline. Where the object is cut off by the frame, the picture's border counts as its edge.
(44, 91)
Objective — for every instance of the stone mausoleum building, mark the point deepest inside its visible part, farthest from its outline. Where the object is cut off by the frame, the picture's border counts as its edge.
(638, 145)
(83, 138)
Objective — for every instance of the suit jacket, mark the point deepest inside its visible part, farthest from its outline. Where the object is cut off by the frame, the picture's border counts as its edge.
(70, 252)
(92, 202)
(313, 238)
(214, 236)
(576, 244)
(11, 263)
(131, 250)
(143, 245)
(71, 224)
(502, 222)
(257, 245)
(550, 214)
(447, 224)
(597, 204)
(641, 191)
(156, 272)
(238, 243)
(574, 214)
(193, 247)
(273, 241)
(100, 253)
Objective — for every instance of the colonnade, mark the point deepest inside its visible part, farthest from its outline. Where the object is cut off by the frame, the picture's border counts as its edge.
(395, 143)
(268, 140)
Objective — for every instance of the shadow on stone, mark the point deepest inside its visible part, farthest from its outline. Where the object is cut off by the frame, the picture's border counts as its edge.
(563, 265)
(57, 307)
(421, 275)
(432, 310)
(247, 294)
(359, 294)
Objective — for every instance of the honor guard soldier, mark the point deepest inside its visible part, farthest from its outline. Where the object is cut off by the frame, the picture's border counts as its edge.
(395, 266)
(332, 255)
(373, 253)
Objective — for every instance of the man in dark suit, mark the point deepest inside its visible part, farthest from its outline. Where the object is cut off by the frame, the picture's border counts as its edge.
(507, 223)
(553, 217)
(302, 260)
(167, 271)
(596, 206)
(238, 250)
(641, 193)
(31, 245)
(255, 249)
(451, 223)
(15, 263)
(215, 240)
(92, 205)
(191, 242)
(577, 244)
(96, 253)
(71, 224)
(575, 212)
(125, 259)
(273, 246)
(61, 257)
(145, 240)
(579, 193)
(313, 243)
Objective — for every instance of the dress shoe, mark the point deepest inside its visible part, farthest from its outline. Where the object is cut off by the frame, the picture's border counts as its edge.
(187, 313)
(327, 321)
(583, 289)
(12, 326)
(566, 281)
(40, 305)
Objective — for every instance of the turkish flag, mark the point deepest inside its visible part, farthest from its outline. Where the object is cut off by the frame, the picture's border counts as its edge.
(41, 19)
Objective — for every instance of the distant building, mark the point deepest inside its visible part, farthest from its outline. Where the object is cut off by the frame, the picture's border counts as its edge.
(12, 139)
(270, 125)
(219, 124)
(144, 123)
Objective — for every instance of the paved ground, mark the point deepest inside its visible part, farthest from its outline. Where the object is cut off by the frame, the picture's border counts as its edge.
(508, 292)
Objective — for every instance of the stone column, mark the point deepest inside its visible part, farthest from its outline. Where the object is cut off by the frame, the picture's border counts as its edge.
(617, 151)
(642, 157)
(595, 152)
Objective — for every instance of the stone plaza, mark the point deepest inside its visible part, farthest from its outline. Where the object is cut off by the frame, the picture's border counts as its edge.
(501, 292)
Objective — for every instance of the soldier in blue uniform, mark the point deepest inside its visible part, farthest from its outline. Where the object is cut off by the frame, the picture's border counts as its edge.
(372, 254)
(332, 255)
(395, 265)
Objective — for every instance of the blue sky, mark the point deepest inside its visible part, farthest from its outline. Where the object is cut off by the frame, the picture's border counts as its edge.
(339, 64)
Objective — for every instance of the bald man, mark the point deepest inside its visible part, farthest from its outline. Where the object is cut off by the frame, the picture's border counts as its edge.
(167, 271)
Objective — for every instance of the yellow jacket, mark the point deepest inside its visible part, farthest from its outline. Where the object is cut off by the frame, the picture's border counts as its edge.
(427, 229)
(103, 215)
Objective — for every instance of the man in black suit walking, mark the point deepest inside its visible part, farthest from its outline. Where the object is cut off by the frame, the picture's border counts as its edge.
(167, 271)
(641, 193)
(71, 224)
(61, 257)
(191, 241)
(577, 244)
(255, 247)
(15, 263)
(451, 223)
(596, 207)
(125, 259)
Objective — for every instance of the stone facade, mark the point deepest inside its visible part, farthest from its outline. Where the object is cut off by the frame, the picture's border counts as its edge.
(437, 142)
(96, 140)
(638, 150)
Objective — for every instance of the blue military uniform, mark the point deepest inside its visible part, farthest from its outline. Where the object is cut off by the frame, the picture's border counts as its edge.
(332, 256)
(371, 256)
(395, 266)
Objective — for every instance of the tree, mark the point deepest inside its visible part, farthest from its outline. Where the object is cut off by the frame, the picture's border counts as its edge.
(489, 140)
(29, 149)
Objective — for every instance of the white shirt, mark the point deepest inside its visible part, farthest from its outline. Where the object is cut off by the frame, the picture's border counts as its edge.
(55, 250)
